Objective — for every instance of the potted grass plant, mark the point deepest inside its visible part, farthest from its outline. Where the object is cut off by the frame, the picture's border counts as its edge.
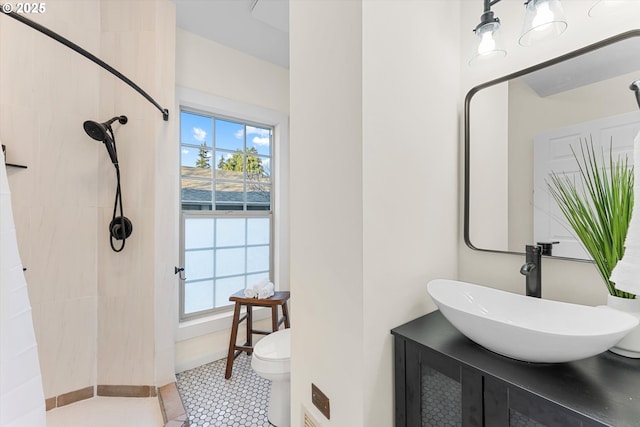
(598, 204)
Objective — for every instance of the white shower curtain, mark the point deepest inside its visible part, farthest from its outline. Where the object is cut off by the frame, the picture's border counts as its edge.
(21, 393)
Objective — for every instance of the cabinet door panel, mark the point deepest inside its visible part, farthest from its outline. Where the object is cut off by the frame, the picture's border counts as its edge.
(527, 410)
(496, 409)
(441, 399)
(472, 392)
(400, 383)
(451, 393)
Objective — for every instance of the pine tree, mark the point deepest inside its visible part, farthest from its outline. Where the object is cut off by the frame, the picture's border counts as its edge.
(203, 159)
(235, 162)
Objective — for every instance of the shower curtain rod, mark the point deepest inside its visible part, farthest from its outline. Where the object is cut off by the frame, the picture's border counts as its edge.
(88, 55)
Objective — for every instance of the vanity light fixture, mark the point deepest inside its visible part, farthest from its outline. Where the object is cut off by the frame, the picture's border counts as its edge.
(543, 19)
(488, 42)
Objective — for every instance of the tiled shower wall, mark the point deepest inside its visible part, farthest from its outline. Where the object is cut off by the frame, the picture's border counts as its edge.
(99, 317)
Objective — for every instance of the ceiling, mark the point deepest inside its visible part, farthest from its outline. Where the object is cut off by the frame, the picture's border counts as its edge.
(257, 27)
(601, 64)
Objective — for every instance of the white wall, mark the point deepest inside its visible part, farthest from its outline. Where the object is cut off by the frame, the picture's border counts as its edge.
(218, 70)
(326, 207)
(99, 317)
(377, 104)
(411, 96)
(562, 280)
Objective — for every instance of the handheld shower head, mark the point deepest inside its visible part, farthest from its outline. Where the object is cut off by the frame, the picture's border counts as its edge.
(120, 227)
(100, 132)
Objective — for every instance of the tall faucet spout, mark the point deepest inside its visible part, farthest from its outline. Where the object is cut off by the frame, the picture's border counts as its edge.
(532, 269)
(527, 268)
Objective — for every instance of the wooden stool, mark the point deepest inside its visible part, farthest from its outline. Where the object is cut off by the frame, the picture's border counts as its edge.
(279, 298)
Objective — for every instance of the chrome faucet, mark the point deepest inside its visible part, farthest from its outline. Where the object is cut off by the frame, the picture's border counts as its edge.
(532, 270)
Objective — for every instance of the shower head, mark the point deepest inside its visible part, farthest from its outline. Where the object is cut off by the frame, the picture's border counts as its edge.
(100, 132)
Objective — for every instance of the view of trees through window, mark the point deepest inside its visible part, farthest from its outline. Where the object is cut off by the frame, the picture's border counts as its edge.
(225, 165)
(225, 195)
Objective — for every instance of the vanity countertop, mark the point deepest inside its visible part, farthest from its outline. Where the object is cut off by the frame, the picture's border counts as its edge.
(605, 388)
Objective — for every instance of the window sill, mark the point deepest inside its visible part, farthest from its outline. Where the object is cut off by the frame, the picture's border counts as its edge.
(214, 323)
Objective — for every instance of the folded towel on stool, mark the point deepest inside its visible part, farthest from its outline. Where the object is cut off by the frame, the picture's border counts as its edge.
(253, 290)
(267, 291)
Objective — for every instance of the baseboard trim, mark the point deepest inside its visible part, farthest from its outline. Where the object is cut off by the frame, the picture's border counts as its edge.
(126, 391)
(185, 365)
(69, 398)
(101, 390)
(174, 413)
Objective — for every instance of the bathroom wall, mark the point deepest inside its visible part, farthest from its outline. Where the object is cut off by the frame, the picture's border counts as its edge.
(376, 102)
(231, 78)
(562, 280)
(137, 301)
(47, 92)
(99, 317)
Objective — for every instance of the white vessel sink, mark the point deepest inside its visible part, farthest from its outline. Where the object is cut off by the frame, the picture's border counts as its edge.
(527, 328)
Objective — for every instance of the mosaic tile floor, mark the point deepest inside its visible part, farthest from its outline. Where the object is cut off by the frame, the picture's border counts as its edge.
(212, 401)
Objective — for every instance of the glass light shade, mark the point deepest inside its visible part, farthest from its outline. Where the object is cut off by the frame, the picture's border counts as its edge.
(488, 44)
(607, 7)
(543, 19)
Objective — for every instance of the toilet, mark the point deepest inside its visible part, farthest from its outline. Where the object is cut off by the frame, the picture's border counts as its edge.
(272, 360)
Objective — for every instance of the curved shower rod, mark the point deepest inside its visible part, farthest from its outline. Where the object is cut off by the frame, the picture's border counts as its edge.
(57, 37)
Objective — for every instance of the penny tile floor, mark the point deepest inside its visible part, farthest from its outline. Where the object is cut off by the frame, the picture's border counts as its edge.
(212, 401)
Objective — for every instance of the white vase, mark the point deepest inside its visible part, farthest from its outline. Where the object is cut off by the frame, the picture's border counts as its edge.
(629, 346)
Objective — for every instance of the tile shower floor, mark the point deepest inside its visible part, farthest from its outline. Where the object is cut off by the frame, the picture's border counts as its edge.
(108, 412)
(212, 401)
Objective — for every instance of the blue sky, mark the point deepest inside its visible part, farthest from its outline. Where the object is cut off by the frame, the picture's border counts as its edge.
(196, 130)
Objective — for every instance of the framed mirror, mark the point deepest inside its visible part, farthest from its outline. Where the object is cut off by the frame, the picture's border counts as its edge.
(521, 127)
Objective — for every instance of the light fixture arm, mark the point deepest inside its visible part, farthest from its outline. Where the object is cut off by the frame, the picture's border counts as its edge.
(489, 3)
(635, 86)
(487, 16)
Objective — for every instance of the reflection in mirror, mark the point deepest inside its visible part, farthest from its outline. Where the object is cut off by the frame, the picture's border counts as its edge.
(520, 128)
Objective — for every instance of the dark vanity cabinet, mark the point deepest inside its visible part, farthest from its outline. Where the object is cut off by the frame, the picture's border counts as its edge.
(444, 379)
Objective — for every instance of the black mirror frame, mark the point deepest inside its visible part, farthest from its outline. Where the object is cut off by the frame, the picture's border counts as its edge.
(467, 136)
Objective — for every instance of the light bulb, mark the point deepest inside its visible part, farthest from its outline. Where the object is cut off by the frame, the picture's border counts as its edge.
(487, 43)
(543, 17)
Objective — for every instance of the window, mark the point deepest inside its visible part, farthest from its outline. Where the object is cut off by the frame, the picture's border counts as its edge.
(226, 197)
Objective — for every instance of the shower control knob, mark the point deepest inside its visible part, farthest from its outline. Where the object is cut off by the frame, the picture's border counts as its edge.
(120, 228)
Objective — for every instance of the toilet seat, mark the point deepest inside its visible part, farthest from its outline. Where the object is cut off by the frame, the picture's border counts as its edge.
(275, 346)
(272, 354)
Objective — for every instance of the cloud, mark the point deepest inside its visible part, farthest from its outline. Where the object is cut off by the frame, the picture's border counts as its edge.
(185, 151)
(199, 134)
(263, 136)
(239, 134)
(261, 141)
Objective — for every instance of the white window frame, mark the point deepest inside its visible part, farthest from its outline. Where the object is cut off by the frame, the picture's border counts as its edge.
(199, 101)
